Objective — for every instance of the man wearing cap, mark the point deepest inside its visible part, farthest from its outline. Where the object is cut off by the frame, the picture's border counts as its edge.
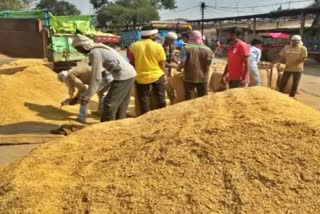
(168, 47)
(294, 56)
(196, 59)
(149, 59)
(106, 61)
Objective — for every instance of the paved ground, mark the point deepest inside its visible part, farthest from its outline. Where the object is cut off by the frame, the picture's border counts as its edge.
(310, 95)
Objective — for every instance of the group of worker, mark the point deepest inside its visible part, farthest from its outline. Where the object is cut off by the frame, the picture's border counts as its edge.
(148, 66)
(243, 61)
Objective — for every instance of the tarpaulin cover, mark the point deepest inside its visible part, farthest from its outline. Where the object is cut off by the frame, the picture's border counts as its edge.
(276, 35)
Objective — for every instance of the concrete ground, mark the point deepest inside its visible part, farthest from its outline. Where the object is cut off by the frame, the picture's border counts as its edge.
(310, 95)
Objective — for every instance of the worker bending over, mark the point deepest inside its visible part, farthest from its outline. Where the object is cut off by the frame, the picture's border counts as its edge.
(149, 59)
(77, 81)
(196, 60)
(106, 61)
(294, 56)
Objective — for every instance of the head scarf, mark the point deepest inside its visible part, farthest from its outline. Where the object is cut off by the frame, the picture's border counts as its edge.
(146, 33)
(296, 38)
(195, 37)
(63, 75)
(87, 43)
(172, 35)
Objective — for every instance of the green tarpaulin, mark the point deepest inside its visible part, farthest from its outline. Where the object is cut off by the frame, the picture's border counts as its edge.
(72, 25)
(58, 24)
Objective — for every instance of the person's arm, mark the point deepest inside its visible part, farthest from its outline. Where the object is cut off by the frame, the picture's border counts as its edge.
(209, 61)
(304, 56)
(226, 71)
(96, 76)
(80, 87)
(246, 68)
(181, 66)
(259, 55)
(183, 58)
(162, 58)
(245, 51)
(70, 83)
(130, 56)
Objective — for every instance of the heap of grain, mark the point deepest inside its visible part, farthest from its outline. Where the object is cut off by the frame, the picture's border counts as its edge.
(241, 151)
(30, 99)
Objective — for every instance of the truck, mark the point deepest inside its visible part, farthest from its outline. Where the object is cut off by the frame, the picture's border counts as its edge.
(59, 32)
(130, 36)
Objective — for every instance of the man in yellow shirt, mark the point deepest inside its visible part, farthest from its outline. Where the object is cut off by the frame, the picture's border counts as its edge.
(294, 55)
(149, 59)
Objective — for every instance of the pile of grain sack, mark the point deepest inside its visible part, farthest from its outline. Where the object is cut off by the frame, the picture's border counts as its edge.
(240, 151)
(270, 77)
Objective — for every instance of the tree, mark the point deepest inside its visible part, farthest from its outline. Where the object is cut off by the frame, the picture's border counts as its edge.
(58, 8)
(97, 4)
(124, 12)
(14, 4)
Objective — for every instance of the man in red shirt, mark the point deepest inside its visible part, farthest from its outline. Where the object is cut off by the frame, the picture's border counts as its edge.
(237, 69)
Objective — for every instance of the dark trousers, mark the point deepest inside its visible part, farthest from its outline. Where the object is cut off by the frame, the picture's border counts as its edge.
(234, 84)
(190, 87)
(117, 100)
(296, 80)
(158, 89)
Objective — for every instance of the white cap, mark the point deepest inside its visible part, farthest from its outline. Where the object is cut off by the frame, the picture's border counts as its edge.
(296, 38)
(63, 75)
(172, 35)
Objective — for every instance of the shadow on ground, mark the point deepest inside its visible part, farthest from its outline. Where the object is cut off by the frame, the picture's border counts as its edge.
(28, 127)
(49, 112)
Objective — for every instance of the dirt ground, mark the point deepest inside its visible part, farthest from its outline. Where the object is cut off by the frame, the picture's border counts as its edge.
(309, 95)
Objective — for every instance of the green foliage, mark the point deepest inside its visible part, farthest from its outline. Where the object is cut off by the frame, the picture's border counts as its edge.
(165, 4)
(14, 4)
(123, 12)
(59, 8)
(97, 4)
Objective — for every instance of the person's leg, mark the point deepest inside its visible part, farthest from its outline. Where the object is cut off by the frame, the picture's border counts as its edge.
(254, 72)
(159, 90)
(143, 94)
(188, 90)
(234, 84)
(125, 99)
(112, 101)
(295, 84)
(101, 96)
(284, 80)
(202, 89)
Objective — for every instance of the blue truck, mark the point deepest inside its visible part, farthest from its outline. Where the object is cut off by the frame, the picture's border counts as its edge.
(131, 36)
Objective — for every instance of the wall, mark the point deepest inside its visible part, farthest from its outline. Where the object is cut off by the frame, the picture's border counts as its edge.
(23, 38)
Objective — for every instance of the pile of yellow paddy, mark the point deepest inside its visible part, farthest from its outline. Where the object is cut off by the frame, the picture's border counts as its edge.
(30, 101)
(240, 151)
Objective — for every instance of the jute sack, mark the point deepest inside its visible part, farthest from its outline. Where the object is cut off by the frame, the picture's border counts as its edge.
(280, 67)
(216, 83)
(176, 87)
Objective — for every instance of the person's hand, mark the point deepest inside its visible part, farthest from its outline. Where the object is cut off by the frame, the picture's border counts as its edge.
(244, 83)
(65, 102)
(224, 79)
(84, 100)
